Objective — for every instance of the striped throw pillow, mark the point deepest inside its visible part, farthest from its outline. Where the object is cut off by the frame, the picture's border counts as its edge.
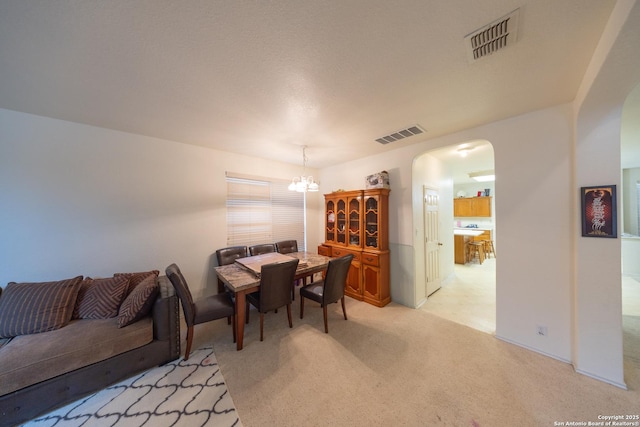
(100, 298)
(136, 278)
(29, 308)
(139, 302)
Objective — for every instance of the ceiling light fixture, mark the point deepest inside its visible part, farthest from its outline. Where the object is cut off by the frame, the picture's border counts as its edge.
(464, 151)
(484, 176)
(303, 183)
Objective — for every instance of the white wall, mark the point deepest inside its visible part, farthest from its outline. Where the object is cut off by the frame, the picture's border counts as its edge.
(351, 176)
(471, 188)
(629, 201)
(76, 199)
(630, 256)
(612, 75)
(533, 155)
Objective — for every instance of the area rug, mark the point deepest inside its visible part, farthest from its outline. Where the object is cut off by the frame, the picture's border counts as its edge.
(191, 393)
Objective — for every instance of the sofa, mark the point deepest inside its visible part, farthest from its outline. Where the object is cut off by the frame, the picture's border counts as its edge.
(60, 341)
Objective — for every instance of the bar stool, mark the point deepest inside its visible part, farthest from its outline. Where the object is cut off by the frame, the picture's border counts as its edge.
(476, 248)
(488, 248)
(467, 252)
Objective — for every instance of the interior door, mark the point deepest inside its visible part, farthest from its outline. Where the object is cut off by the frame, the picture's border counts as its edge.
(432, 240)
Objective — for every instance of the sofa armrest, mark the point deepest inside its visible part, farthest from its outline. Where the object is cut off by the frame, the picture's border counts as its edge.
(166, 316)
(166, 288)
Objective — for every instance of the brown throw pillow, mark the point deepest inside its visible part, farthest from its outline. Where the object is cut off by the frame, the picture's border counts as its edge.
(100, 298)
(136, 278)
(139, 302)
(29, 308)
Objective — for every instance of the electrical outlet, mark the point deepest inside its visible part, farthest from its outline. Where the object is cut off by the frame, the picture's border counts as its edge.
(542, 331)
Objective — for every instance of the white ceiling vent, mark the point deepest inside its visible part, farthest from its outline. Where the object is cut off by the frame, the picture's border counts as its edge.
(492, 37)
(401, 134)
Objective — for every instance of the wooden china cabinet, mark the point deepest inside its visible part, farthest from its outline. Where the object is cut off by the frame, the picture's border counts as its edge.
(356, 222)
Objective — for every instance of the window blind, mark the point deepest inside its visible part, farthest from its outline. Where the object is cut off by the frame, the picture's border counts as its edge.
(263, 210)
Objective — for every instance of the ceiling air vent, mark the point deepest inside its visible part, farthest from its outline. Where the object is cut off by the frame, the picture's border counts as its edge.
(492, 37)
(401, 134)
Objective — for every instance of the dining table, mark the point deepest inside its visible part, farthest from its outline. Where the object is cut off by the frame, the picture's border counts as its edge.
(242, 278)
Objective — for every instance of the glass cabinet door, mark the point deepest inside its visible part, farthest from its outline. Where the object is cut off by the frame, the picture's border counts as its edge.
(330, 221)
(355, 232)
(372, 224)
(341, 221)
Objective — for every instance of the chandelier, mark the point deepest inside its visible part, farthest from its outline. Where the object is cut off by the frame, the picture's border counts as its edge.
(303, 183)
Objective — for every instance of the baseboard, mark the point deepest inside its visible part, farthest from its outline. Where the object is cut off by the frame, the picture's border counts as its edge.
(579, 371)
(599, 378)
(535, 350)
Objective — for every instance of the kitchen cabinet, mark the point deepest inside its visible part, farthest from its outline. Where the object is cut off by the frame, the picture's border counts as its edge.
(464, 236)
(460, 248)
(472, 207)
(356, 222)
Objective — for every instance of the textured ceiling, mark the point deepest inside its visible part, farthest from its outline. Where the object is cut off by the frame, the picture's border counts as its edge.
(263, 78)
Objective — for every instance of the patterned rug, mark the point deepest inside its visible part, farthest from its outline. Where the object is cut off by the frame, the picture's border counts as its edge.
(191, 393)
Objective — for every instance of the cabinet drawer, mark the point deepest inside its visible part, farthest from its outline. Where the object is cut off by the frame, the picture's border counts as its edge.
(324, 250)
(370, 259)
(338, 252)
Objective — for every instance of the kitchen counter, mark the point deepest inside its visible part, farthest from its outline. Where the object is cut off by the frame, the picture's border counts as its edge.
(462, 236)
(467, 231)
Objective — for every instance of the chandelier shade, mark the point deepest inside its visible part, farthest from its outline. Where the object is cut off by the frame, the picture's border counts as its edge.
(303, 183)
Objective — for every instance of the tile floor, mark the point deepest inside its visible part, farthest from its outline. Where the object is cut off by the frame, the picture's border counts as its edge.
(470, 297)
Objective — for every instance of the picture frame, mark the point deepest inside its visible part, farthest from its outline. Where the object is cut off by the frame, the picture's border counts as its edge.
(599, 214)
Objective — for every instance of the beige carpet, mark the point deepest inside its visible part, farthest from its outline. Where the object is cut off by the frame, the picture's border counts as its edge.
(399, 366)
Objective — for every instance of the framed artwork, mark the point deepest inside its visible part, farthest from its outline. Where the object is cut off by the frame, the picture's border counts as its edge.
(599, 218)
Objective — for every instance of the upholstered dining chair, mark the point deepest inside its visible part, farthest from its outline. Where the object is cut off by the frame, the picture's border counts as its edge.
(287, 246)
(275, 290)
(202, 310)
(228, 256)
(329, 290)
(262, 249)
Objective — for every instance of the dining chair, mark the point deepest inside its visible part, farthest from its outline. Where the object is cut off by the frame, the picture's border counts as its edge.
(228, 256)
(287, 246)
(202, 310)
(262, 249)
(275, 290)
(329, 290)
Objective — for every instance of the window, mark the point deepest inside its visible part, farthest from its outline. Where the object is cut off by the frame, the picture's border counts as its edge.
(263, 210)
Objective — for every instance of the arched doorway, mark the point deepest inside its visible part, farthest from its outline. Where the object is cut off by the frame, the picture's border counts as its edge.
(467, 293)
(630, 229)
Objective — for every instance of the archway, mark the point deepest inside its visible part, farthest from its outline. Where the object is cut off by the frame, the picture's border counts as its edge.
(467, 295)
(630, 230)
(598, 347)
